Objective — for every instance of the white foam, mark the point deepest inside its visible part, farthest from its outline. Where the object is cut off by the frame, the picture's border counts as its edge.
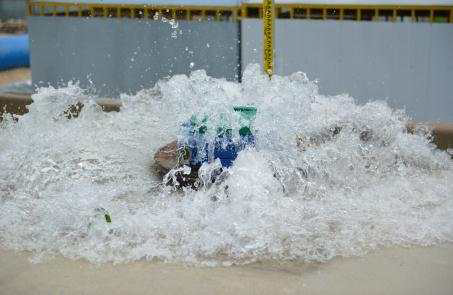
(342, 196)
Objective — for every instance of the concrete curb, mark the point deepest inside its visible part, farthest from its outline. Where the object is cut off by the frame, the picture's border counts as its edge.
(16, 103)
(442, 133)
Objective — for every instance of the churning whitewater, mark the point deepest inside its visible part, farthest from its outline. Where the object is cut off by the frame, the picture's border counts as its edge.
(327, 177)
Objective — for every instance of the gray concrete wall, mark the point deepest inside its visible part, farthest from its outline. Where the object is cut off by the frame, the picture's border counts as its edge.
(408, 64)
(126, 55)
(12, 9)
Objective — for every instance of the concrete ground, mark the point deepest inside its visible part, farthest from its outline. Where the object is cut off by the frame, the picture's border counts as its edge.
(14, 75)
(391, 271)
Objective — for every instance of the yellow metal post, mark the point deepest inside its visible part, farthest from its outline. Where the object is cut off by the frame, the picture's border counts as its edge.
(268, 29)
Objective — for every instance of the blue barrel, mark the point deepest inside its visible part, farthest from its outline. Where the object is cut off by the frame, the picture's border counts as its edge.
(14, 52)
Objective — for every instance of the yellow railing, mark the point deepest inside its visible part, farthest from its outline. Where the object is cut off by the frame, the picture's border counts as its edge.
(394, 13)
(420, 13)
(217, 13)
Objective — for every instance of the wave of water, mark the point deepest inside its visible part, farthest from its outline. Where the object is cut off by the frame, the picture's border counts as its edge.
(17, 87)
(328, 177)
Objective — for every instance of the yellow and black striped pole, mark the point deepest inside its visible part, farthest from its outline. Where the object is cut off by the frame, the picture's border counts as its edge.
(268, 42)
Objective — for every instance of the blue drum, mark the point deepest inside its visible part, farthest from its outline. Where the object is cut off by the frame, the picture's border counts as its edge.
(14, 52)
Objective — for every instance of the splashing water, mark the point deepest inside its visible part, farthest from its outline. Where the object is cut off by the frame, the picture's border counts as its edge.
(171, 21)
(327, 178)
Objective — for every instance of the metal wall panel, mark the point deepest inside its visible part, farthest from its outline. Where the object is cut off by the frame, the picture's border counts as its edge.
(126, 55)
(12, 9)
(408, 64)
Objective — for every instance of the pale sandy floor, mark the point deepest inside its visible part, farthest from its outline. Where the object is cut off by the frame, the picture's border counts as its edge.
(14, 75)
(392, 271)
